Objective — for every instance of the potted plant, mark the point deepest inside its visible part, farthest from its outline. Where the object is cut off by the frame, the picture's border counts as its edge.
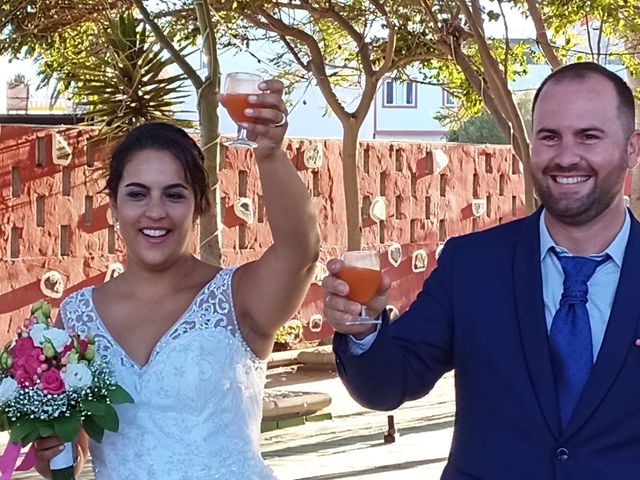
(288, 335)
(17, 93)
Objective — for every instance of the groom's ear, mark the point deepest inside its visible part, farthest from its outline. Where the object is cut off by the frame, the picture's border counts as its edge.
(633, 150)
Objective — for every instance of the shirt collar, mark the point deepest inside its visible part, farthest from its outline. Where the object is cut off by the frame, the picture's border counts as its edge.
(615, 249)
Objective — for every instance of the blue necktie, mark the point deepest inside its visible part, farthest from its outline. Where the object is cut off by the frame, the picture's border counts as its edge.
(570, 336)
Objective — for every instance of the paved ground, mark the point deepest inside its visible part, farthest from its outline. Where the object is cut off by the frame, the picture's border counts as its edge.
(350, 446)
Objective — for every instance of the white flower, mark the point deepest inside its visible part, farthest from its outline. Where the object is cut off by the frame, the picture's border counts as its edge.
(8, 389)
(37, 333)
(58, 337)
(77, 375)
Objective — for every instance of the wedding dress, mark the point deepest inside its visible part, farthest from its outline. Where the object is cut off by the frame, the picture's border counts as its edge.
(198, 400)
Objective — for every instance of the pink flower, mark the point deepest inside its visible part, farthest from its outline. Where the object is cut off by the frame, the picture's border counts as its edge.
(29, 363)
(22, 378)
(23, 347)
(26, 361)
(52, 382)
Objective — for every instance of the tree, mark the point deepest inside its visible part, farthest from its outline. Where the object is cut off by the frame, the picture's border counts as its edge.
(358, 42)
(336, 44)
(477, 68)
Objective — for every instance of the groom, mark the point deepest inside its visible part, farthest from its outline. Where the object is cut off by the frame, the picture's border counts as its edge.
(538, 317)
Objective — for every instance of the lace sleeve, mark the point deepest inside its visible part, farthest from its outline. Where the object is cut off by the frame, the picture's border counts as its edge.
(76, 311)
(221, 295)
(213, 308)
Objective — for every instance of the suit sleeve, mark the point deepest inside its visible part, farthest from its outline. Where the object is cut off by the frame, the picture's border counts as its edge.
(408, 355)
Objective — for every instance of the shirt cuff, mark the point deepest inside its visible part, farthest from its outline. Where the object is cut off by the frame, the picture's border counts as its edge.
(358, 347)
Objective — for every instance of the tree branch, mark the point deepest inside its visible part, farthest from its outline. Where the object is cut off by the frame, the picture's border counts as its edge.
(294, 54)
(358, 39)
(454, 51)
(389, 55)
(600, 36)
(507, 46)
(497, 81)
(588, 27)
(316, 63)
(368, 94)
(428, 10)
(541, 35)
(495, 77)
(168, 45)
(331, 13)
(203, 14)
(476, 12)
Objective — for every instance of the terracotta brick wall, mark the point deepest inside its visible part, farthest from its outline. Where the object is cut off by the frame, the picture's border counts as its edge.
(53, 216)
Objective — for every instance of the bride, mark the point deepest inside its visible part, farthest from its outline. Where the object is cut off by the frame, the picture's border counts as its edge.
(187, 339)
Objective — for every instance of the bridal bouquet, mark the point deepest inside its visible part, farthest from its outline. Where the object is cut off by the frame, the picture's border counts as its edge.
(52, 383)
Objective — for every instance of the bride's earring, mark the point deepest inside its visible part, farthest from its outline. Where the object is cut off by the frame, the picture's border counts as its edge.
(116, 225)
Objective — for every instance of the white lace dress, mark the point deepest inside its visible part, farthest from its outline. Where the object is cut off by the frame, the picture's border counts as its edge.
(198, 401)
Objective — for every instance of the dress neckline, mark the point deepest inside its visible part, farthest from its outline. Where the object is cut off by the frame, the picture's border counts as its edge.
(167, 333)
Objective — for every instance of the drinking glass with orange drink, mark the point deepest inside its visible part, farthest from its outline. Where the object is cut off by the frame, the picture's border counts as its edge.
(361, 271)
(235, 98)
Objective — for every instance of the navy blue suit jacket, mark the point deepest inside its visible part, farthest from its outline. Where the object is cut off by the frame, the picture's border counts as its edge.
(481, 312)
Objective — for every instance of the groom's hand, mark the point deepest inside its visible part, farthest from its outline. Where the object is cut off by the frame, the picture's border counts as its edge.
(338, 308)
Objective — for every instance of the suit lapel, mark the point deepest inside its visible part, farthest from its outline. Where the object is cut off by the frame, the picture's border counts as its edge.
(623, 321)
(527, 277)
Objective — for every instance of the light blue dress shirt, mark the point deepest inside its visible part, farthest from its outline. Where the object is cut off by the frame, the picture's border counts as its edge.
(602, 285)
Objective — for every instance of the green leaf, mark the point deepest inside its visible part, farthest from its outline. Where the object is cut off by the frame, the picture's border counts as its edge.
(109, 420)
(94, 408)
(67, 428)
(40, 317)
(29, 438)
(22, 429)
(95, 431)
(493, 16)
(4, 423)
(119, 395)
(45, 428)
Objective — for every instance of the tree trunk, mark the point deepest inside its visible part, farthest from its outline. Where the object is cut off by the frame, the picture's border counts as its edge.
(209, 122)
(350, 130)
(525, 156)
(498, 100)
(634, 200)
(351, 124)
(517, 135)
(210, 225)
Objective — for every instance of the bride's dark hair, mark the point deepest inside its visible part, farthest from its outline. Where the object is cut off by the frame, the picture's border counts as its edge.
(169, 138)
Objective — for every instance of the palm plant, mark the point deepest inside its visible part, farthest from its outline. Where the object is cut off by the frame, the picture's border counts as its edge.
(125, 83)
